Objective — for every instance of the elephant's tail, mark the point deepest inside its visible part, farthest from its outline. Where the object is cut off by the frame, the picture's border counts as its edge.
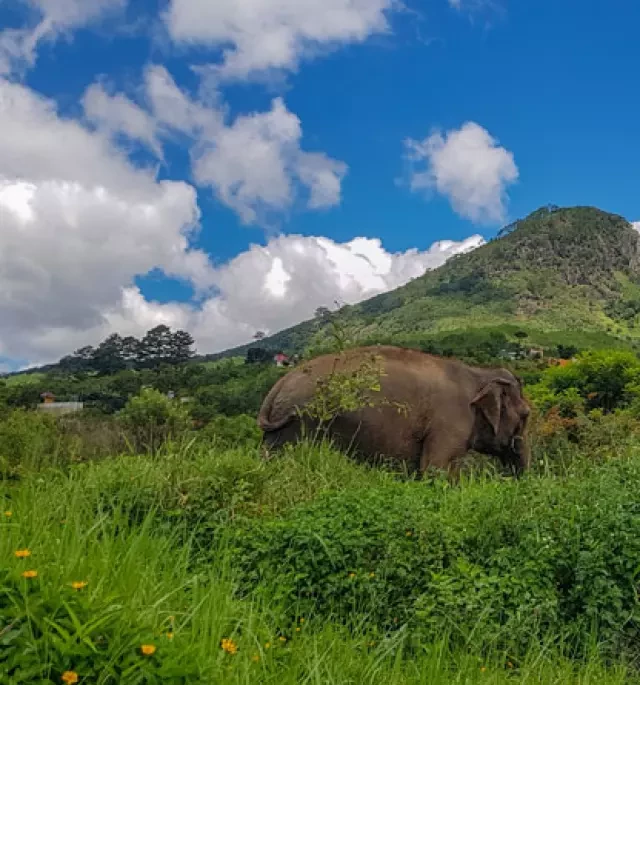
(269, 418)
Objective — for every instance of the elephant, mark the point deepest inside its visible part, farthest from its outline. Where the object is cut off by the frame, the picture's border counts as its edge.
(423, 410)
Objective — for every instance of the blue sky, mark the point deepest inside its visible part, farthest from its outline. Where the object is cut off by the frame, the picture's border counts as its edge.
(294, 139)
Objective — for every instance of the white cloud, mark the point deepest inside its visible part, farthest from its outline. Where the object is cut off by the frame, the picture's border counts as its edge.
(255, 165)
(468, 167)
(272, 287)
(78, 224)
(18, 47)
(117, 115)
(262, 35)
(175, 111)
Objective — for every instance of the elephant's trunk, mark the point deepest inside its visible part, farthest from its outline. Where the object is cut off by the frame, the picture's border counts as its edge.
(517, 457)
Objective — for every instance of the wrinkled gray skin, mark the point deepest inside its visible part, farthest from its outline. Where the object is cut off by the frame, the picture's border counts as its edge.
(448, 409)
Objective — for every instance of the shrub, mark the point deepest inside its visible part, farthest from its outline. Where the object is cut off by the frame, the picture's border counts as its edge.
(152, 419)
(232, 431)
(499, 562)
(28, 441)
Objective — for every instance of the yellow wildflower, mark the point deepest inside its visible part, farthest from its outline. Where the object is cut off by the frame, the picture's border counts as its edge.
(301, 619)
(70, 677)
(79, 584)
(255, 658)
(30, 574)
(483, 669)
(148, 649)
(352, 574)
(169, 635)
(298, 630)
(409, 533)
(267, 645)
(283, 639)
(25, 552)
(8, 513)
(228, 646)
(372, 574)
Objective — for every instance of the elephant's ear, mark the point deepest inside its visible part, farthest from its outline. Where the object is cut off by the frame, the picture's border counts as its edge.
(489, 401)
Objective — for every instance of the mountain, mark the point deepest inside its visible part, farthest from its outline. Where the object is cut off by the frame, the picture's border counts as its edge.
(561, 275)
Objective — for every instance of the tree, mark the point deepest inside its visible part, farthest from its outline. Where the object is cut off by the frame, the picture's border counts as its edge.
(162, 346)
(130, 349)
(108, 358)
(259, 336)
(258, 355)
(322, 313)
(181, 347)
(155, 347)
(79, 362)
(566, 350)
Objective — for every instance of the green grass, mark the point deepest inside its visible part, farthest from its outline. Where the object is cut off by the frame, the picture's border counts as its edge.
(498, 581)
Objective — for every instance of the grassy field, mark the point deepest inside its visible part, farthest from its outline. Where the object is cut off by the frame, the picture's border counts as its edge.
(210, 565)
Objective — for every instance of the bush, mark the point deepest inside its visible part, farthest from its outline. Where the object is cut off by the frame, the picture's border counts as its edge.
(498, 562)
(232, 431)
(152, 418)
(27, 442)
(607, 380)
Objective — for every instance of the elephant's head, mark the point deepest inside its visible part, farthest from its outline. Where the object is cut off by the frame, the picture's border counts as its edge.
(501, 422)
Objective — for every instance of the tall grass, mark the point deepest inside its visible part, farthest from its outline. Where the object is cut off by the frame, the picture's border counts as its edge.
(318, 570)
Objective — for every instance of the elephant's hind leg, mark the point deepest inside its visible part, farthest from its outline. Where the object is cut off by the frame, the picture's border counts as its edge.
(275, 439)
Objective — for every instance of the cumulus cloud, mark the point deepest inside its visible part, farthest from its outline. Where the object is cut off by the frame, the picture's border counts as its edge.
(468, 167)
(78, 224)
(117, 116)
(256, 164)
(18, 47)
(262, 35)
(269, 288)
(175, 111)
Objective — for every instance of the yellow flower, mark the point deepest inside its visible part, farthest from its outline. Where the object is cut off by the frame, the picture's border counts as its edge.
(79, 584)
(170, 635)
(372, 574)
(148, 649)
(255, 658)
(267, 645)
(283, 639)
(352, 574)
(409, 533)
(30, 574)
(25, 552)
(509, 664)
(228, 646)
(70, 677)
(298, 630)
(8, 513)
(483, 669)
(301, 619)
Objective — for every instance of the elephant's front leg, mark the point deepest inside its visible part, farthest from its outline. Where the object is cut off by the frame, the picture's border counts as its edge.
(444, 451)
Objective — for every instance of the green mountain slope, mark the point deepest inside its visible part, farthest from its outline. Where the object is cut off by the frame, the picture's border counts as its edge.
(559, 275)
